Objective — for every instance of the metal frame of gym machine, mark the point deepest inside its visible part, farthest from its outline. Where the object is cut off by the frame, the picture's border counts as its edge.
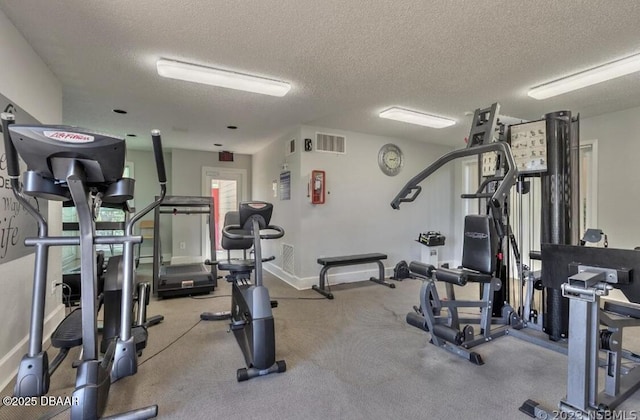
(191, 278)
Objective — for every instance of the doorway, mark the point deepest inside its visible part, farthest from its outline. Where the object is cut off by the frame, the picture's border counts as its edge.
(227, 186)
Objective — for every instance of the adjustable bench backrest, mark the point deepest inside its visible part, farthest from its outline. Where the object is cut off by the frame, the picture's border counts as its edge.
(480, 244)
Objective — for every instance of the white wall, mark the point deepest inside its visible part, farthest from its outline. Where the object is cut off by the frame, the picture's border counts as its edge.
(357, 216)
(30, 84)
(267, 166)
(186, 179)
(618, 136)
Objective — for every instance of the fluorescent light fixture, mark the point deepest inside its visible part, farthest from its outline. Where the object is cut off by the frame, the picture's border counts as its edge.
(413, 117)
(587, 78)
(221, 78)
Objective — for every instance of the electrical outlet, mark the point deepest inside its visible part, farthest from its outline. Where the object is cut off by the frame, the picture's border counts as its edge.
(183, 245)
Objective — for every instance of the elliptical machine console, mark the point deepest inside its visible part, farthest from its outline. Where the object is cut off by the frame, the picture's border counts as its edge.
(251, 316)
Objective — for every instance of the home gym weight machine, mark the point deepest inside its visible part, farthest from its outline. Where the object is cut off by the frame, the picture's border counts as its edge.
(251, 316)
(482, 253)
(67, 163)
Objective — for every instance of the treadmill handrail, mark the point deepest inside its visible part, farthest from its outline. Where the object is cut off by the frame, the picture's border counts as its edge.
(498, 196)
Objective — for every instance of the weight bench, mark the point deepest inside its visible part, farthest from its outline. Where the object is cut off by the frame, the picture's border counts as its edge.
(330, 262)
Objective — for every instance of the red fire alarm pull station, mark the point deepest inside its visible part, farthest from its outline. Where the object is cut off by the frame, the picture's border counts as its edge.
(317, 185)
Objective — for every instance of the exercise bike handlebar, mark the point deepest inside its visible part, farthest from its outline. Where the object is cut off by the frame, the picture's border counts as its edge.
(13, 164)
(227, 232)
(498, 196)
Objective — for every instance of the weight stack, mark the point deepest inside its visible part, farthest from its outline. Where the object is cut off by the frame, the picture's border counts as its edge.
(560, 212)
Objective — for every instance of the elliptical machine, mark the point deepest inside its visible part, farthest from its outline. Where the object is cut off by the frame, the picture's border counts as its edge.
(67, 163)
(251, 315)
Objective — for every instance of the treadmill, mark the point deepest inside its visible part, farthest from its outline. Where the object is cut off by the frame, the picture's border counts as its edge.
(173, 280)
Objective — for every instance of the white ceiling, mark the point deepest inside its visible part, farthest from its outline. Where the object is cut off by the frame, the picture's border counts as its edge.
(346, 59)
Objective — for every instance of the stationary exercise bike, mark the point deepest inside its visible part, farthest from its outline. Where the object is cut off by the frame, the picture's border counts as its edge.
(86, 167)
(251, 315)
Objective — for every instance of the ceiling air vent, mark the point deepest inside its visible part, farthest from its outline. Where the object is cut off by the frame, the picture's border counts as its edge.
(330, 143)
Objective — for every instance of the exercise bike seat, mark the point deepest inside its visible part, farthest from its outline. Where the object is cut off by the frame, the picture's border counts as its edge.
(235, 265)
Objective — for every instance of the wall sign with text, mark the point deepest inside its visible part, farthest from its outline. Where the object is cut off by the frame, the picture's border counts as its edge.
(16, 223)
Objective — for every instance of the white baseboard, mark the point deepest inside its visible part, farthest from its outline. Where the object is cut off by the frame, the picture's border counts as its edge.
(10, 362)
(303, 283)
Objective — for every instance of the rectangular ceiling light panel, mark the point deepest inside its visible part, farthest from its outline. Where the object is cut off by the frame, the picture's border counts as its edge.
(413, 117)
(587, 78)
(221, 78)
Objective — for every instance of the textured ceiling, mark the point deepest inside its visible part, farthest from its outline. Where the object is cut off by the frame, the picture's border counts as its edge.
(346, 59)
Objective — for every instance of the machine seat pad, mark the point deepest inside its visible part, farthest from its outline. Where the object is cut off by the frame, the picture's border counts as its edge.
(475, 277)
(351, 259)
(421, 269)
(237, 265)
(457, 277)
(462, 276)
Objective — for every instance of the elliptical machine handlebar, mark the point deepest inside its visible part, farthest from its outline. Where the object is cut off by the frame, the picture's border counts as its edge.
(227, 232)
(157, 152)
(13, 164)
(162, 179)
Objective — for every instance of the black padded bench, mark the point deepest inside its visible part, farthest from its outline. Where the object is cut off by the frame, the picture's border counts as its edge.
(330, 262)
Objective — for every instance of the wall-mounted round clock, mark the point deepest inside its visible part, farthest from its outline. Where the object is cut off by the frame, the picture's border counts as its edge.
(390, 159)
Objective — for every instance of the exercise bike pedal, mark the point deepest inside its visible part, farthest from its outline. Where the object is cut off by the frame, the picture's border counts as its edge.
(237, 325)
